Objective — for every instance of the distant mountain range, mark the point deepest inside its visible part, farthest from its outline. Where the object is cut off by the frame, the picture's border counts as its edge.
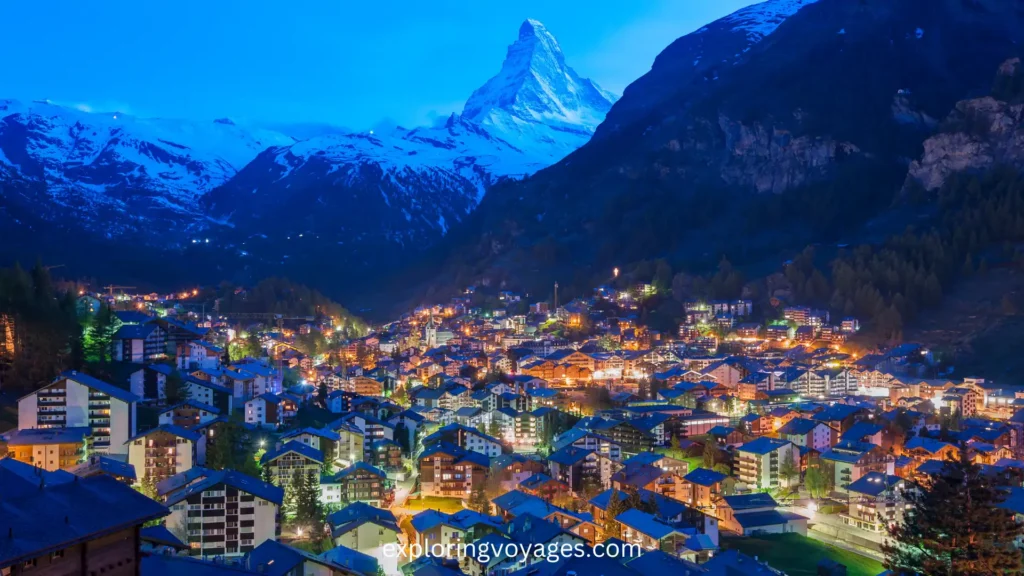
(168, 184)
(787, 123)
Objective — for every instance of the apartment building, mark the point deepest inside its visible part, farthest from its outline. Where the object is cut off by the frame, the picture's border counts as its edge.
(165, 451)
(49, 448)
(224, 513)
(451, 471)
(760, 462)
(876, 501)
(76, 400)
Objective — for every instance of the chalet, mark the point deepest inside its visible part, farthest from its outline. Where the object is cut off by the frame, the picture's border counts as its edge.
(359, 482)
(291, 458)
(187, 414)
(449, 470)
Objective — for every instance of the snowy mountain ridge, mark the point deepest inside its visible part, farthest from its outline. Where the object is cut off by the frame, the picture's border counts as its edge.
(118, 174)
(407, 187)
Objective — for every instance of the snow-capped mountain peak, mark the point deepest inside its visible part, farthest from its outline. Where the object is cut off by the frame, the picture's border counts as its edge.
(760, 20)
(536, 87)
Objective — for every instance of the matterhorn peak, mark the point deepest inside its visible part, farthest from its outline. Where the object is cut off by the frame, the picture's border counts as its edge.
(535, 85)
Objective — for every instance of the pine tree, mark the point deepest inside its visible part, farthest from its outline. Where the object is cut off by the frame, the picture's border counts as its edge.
(788, 469)
(175, 389)
(955, 526)
(616, 506)
(710, 453)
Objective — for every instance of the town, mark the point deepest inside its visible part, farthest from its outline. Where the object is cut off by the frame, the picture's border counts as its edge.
(197, 439)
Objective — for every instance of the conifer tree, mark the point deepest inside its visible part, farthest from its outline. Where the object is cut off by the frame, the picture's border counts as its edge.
(955, 526)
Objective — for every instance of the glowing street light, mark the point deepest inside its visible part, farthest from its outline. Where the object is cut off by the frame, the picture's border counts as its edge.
(615, 272)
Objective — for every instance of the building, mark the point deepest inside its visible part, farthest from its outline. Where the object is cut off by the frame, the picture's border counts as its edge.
(224, 513)
(138, 343)
(58, 523)
(807, 433)
(466, 437)
(362, 527)
(291, 458)
(761, 462)
(757, 513)
(270, 410)
(165, 451)
(273, 557)
(188, 413)
(49, 448)
(359, 482)
(76, 400)
(451, 471)
(852, 460)
(877, 500)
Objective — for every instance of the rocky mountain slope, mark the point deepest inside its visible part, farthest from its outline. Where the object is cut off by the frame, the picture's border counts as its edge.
(980, 133)
(784, 124)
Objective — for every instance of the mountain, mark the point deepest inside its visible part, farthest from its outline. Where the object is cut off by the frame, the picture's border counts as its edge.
(786, 123)
(405, 188)
(537, 102)
(253, 201)
(113, 173)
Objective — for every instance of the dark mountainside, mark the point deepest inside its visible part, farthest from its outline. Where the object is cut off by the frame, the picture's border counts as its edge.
(802, 139)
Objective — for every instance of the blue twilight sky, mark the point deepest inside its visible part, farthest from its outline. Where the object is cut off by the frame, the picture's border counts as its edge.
(328, 61)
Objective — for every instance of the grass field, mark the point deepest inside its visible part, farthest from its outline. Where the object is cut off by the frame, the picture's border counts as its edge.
(799, 556)
(448, 505)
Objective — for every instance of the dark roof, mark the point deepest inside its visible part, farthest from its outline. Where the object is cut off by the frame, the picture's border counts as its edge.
(34, 436)
(97, 384)
(569, 455)
(800, 426)
(160, 535)
(273, 558)
(169, 565)
(134, 331)
(243, 482)
(358, 513)
(37, 520)
(360, 466)
(293, 446)
(753, 500)
(705, 477)
(762, 445)
(766, 518)
(874, 483)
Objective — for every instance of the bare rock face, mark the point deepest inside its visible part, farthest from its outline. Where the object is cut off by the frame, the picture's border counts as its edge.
(771, 160)
(979, 134)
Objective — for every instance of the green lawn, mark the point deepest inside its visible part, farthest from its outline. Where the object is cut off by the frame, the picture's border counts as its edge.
(799, 556)
(448, 505)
